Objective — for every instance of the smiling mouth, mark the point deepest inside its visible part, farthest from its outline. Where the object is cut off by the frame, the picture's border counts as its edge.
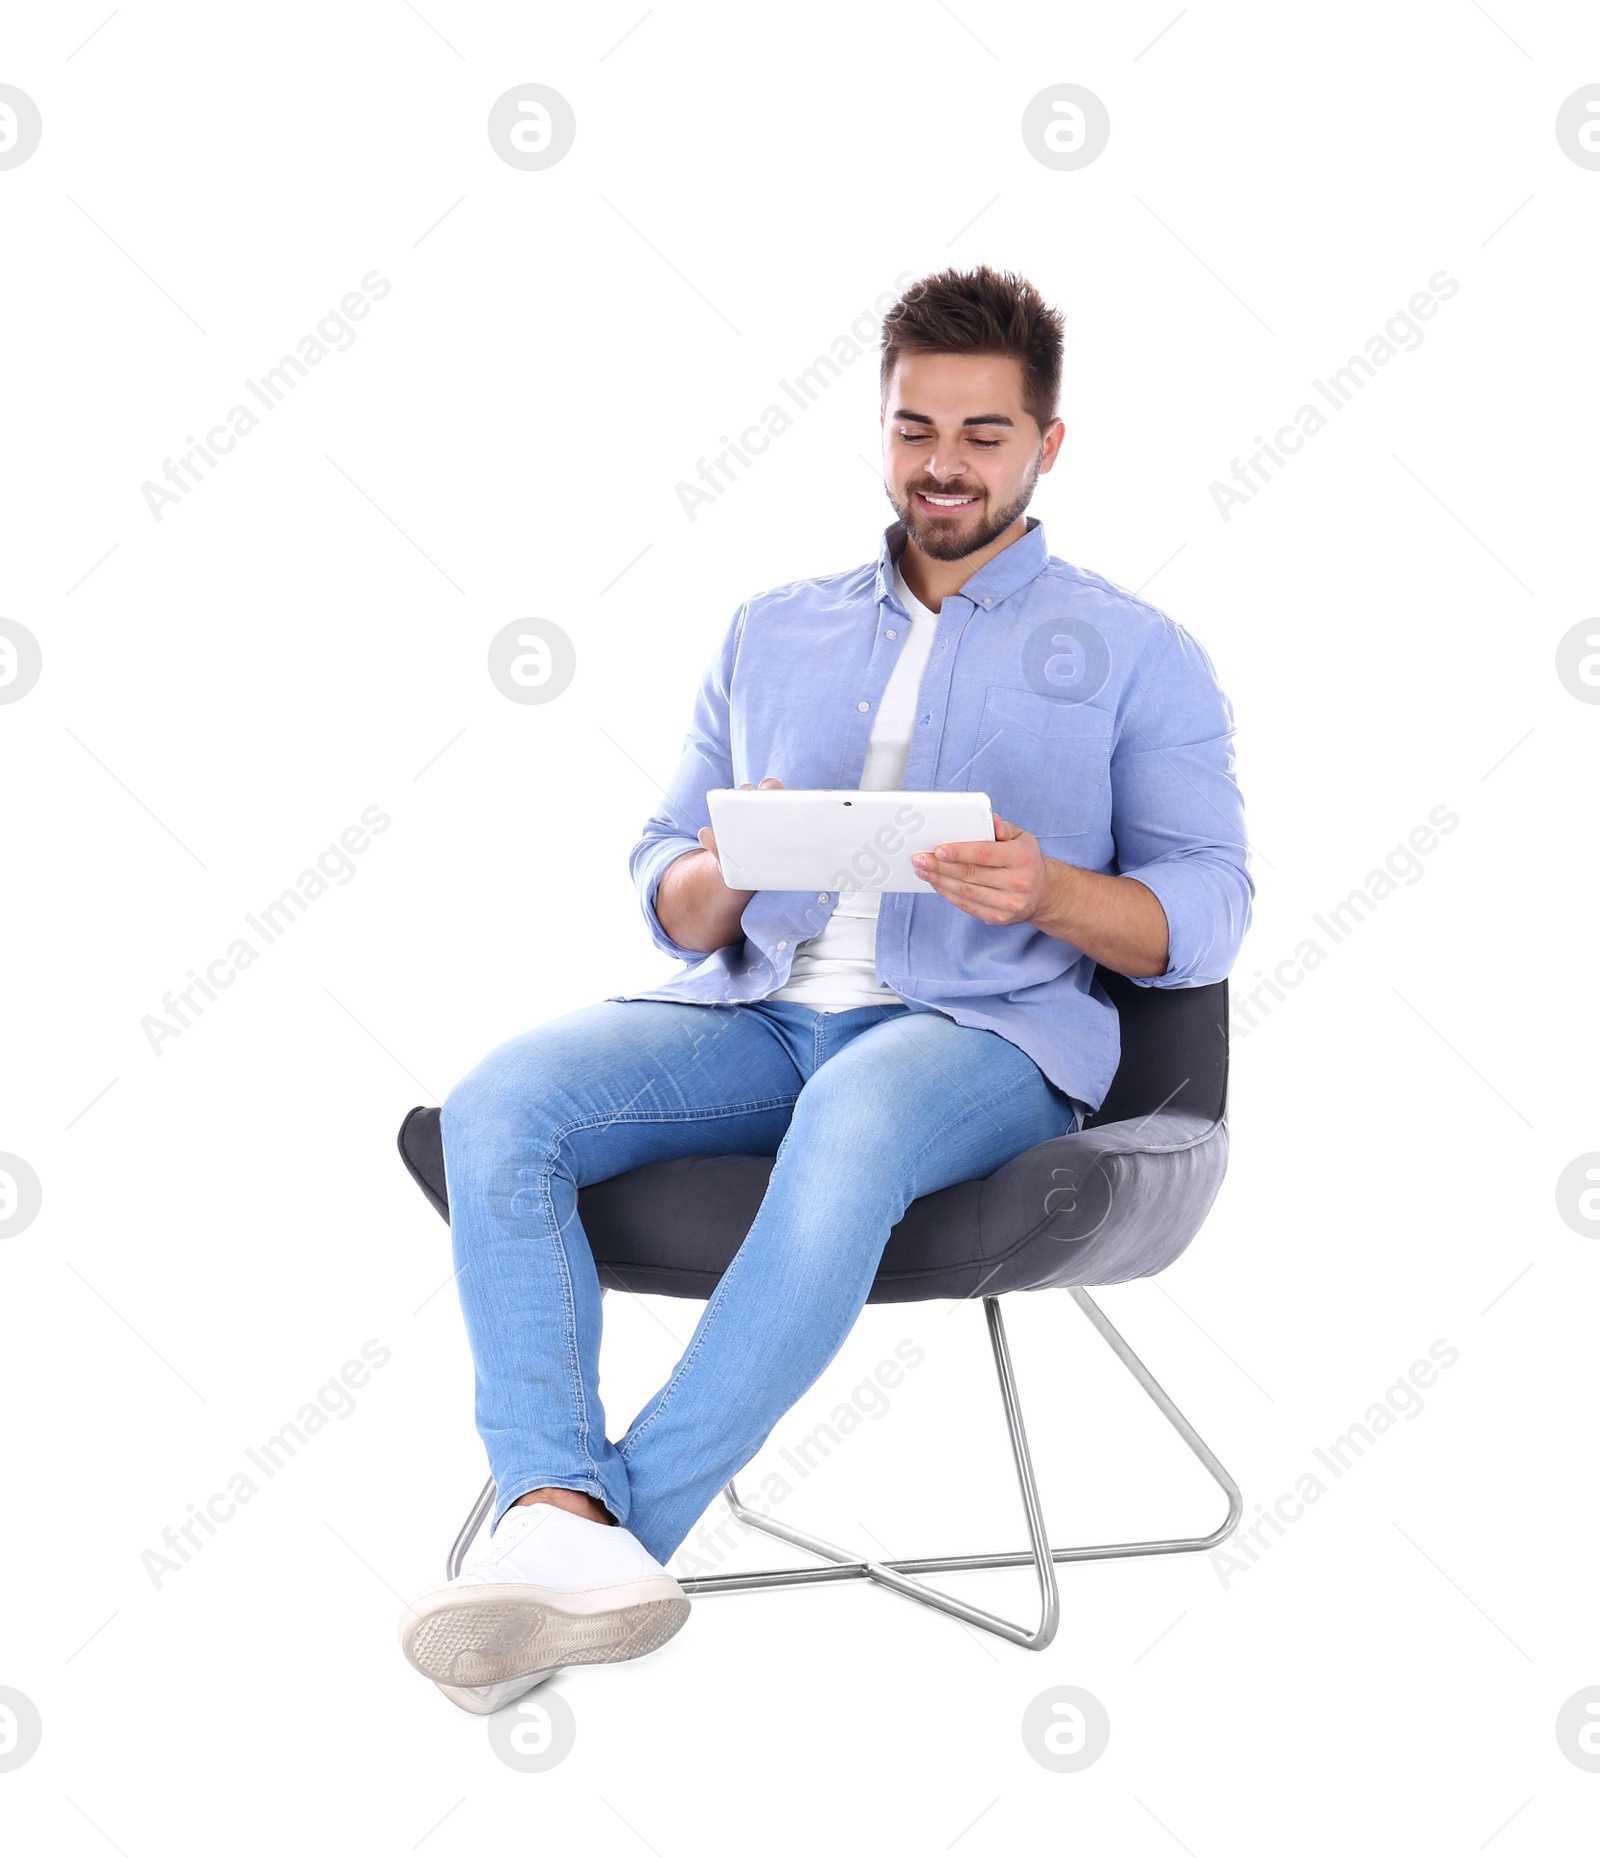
(944, 503)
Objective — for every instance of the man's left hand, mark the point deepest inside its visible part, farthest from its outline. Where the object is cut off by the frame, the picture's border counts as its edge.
(1008, 881)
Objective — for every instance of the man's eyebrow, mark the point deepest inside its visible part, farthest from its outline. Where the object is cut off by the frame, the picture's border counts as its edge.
(977, 419)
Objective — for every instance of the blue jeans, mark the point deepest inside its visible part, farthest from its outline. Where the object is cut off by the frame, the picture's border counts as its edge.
(865, 1110)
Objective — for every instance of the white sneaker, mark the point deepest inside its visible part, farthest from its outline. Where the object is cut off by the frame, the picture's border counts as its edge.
(547, 1589)
(485, 1699)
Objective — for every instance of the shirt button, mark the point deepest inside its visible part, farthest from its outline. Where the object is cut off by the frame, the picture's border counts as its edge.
(822, 896)
(863, 706)
(988, 603)
(783, 945)
(891, 635)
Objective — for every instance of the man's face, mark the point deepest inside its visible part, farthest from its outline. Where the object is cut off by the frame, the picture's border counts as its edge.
(960, 454)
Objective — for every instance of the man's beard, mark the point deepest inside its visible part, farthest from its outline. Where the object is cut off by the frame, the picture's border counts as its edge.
(953, 541)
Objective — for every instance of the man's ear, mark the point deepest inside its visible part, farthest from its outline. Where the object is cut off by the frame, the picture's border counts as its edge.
(1052, 451)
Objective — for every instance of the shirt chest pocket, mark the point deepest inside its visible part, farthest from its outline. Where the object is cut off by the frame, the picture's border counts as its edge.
(1044, 763)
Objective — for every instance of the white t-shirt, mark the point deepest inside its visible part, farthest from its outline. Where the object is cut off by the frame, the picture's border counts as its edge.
(836, 969)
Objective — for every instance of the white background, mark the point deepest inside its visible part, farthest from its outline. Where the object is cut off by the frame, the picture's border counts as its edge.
(225, 690)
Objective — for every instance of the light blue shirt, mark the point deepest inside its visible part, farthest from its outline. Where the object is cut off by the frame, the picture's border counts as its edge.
(1088, 716)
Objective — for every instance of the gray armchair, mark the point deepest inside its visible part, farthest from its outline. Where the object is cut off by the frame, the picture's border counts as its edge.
(1119, 1199)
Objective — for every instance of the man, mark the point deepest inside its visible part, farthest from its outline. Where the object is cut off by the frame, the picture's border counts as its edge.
(880, 1046)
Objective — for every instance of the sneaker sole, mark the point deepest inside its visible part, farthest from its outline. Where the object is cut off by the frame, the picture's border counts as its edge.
(471, 1637)
(487, 1699)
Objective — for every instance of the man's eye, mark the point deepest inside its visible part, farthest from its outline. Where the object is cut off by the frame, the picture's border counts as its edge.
(986, 442)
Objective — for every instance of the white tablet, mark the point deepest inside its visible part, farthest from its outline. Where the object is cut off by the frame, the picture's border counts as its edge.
(837, 838)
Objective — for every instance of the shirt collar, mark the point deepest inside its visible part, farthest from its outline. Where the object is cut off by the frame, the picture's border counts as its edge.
(1010, 570)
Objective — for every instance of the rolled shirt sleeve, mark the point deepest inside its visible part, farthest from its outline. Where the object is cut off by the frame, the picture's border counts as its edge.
(706, 762)
(1177, 816)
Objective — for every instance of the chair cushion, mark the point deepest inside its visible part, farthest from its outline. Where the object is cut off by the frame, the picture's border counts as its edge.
(1115, 1201)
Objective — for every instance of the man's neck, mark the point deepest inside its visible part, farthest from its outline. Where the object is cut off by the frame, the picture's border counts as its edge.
(931, 580)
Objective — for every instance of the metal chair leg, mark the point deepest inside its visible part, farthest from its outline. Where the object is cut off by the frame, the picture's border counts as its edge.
(848, 1567)
(469, 1529)
(896, 1575)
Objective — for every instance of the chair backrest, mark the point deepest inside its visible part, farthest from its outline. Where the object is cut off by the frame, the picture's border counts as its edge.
(1174, 1050)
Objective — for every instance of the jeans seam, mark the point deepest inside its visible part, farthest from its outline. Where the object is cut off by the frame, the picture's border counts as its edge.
(559, 1134)
(574, 1361)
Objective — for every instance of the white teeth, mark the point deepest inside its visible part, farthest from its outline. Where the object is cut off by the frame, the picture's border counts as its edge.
(949, 503)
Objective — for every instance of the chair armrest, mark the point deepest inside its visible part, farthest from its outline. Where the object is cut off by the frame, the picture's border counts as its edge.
(1107, 1204)
(421, 1145)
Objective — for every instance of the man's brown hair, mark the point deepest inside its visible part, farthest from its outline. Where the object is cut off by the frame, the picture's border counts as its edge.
(980, 312)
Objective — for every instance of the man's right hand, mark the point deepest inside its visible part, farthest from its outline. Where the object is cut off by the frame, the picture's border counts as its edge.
(709, 839)
(693, 904)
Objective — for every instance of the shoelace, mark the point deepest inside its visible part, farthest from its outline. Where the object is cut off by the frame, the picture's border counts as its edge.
(514, 1525)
